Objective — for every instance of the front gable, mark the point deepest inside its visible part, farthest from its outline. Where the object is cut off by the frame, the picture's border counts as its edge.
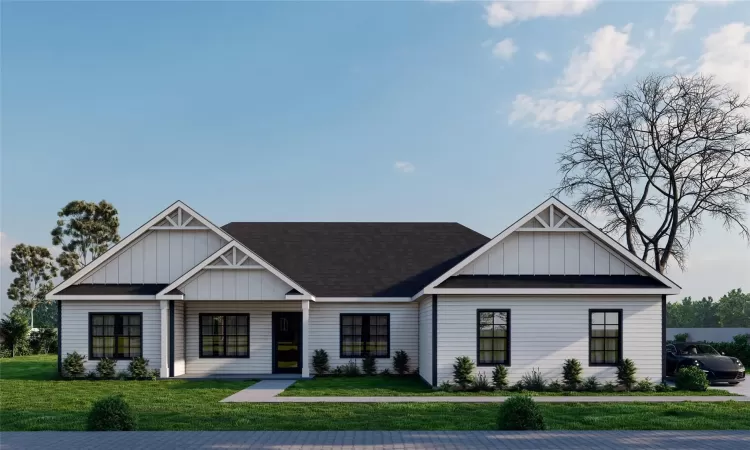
(553, 241)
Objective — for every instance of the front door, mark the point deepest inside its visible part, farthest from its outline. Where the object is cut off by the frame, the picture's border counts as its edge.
(287, 342)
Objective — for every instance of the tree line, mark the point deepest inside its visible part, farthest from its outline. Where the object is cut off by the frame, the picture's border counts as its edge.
(731, 310)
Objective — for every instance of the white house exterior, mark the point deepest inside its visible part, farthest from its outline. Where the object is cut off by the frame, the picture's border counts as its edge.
(258, 298)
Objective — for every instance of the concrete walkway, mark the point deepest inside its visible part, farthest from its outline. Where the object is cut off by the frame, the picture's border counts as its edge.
(262, 391)
(495, 399)
(380, 440)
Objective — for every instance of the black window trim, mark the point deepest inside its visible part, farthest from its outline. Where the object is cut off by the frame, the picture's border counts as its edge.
(619, 337)
(91, 334)
(200, 336)
(368, 314)
(508, 339)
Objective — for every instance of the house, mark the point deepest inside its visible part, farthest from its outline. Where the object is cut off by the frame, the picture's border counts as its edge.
(258, 298)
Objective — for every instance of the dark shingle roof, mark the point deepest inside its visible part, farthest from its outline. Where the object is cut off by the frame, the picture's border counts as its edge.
(359, 259)
(116, 289)
(551, 281)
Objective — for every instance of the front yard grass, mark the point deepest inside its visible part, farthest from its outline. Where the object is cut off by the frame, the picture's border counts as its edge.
(32, 399)
(389, 386)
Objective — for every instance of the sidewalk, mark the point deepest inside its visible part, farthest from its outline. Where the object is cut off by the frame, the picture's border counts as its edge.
(379, 440)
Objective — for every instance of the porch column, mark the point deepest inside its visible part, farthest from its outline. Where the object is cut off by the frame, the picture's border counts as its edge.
(164, 339)
(305, 338)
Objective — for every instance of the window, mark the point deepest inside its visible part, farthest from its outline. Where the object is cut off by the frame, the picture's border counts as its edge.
(365, 333)
(605, 337)
(115, 336)
(224, 335)
(493, 337)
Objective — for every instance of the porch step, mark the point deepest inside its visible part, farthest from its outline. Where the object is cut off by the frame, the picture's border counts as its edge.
(260, 391)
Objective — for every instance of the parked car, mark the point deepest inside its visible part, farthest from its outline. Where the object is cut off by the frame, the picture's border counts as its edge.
(718, 367)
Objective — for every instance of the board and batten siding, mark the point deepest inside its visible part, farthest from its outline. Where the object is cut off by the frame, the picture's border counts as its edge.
(425, 339)
(233, 284)
(75, 328)
(545, 331)
(553, 253)
(159, 256)
(261, 358)
(325, 330)
(179, 338)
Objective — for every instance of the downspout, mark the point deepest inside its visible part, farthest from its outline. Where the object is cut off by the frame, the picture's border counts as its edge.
(663, 337)
(59, 337)
(434, 339)
(171, 338)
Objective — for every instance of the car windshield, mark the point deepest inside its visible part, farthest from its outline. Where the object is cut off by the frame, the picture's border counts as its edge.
(696, 349)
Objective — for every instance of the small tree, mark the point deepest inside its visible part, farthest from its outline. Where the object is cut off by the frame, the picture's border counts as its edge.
(73, 366)
(369, 365)
(572, 373)
(35, 270)
(138, 368)
(320, 362)
(500, 377)
(106, 368)
(626, 373)
(401, 362)
(15, 330)
(463, 371)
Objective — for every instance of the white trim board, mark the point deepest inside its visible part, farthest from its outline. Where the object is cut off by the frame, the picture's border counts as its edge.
(553, 202)
(363, 299)
(217, 255)
(552, 291)
(112, 297)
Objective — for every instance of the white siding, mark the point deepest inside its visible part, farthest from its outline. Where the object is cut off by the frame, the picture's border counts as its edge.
(179, 338)
(75, 328)
(546, 330)
(325, 329)
(233, 284)
(260, 360)
(555, 253)
(425, 339)
(157, 257)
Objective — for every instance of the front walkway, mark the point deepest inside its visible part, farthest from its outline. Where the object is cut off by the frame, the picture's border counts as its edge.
(262, 391)
(380, 440)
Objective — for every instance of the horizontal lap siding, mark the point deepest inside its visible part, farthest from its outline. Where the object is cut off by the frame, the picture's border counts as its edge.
(260, 360)
(425, 339)
(546, 331)
(75, 324)
(404, 334)
(179, 338)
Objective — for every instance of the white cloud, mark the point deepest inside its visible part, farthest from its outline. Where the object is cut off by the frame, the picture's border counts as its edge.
(505, 49)
(543, 56)
(404, 166)
(609, 54)
(681, 16)
(544, 112)
(726, 56)
(505, 12)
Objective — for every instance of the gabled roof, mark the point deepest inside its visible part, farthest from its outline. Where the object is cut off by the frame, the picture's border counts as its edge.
(115, 289)
(359, 259)
(552, 281)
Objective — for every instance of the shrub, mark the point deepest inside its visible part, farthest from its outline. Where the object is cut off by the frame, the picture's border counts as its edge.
(73, 365)
(533, 381)
(369, 365)
(106, 368)
(645, 386)
(138, 368)
(626, 373)
(520, 412)
(153, 374)
(555, 386)
(123, 375)
(351, 369)
(401, 362)
(320, 362)
(500, 377)
(662, 387)
(111, 414)
(385, 372)
(572, 373)
(15, 331)
(609, 386)
(691, 378)
(481, 383)
(43, 341)
(446, 386)
(590, 384)
(463, 371)
(681, 337)
(92, 375)
(739, 348)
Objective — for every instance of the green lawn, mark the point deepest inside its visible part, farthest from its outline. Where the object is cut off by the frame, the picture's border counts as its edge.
(32, 399)
(387, 386)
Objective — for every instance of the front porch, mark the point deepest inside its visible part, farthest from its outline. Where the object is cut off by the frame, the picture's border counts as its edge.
(235, 340)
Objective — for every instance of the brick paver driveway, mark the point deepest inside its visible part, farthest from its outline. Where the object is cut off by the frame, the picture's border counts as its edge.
(378, 440)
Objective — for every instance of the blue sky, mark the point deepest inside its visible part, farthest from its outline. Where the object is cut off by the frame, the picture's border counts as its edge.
(392, 111)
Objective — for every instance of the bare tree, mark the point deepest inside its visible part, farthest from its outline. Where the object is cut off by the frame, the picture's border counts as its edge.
(671, 150)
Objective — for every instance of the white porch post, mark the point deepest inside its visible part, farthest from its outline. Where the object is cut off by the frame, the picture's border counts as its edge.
(305, 338)
(164, 369)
